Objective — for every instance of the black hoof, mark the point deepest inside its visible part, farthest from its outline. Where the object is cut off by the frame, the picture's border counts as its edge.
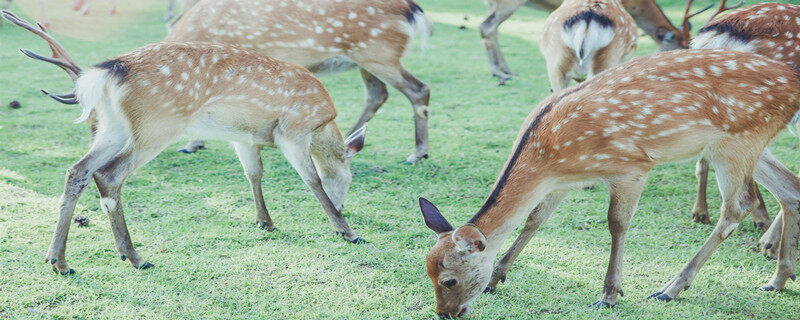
(601, 304)
(654, 295)
(767, 246)
(357, 241)
(488, 290)
(768, 288)
(263, 226)
(664, 297)
(123, 257)
(146, 265)
(184, 150)
(65, 273)
(53, 261)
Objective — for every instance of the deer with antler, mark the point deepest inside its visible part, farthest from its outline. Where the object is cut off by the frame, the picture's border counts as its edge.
(145, 99)
(584, 37)
(723, 105)
(771, 30)
(646, 13)
(325, 37)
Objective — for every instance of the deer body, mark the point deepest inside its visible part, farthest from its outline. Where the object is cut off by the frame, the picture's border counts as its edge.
(646, 13)
(614, 128)
(325, 36)
(771, 30)
(142, 101)
(584, 37)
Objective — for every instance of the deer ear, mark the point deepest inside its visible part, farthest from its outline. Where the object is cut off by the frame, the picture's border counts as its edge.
(433, 218)
(355, 142)
(469, 238)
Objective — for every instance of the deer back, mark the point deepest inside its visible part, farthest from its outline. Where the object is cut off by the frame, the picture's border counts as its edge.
(769, 29)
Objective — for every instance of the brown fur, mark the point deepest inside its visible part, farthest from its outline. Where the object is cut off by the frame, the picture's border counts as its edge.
(373, 35)
(562, 61)
(614, 128)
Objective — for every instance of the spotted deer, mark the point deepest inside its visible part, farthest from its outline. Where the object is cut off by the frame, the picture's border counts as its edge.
(646, 13)
(584, 37)
(145, 99)
(325, 36)
(42, 11)
(771, 30)
(614, 128)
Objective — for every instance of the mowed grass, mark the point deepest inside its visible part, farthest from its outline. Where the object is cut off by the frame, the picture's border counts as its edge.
(192, 215)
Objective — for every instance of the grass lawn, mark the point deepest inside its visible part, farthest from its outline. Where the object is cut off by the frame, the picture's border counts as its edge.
(192, 215)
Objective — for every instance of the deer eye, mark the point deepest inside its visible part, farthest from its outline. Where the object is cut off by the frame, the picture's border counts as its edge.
(449, 283)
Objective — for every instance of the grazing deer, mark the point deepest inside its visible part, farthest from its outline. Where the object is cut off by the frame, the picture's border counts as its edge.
(584, 37)
(613, 128)
(647, 14)
(43, 11)
(143, 100)
(325, 37)
(771, 30)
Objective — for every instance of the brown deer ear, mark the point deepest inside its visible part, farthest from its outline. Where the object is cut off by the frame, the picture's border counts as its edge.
(469, 238)
(433, 218)
(355, 142)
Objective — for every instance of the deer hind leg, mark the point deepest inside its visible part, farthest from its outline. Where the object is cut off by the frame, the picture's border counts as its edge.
(417, 92)
(109, 180)
(700, 210)
(498, 14)
(296, 150)
(538, 216)
(770, 240)
(785, 186)
(376, 95)
(761, 218)
(624, 194)
(734, 175)
(250, 157)
(78, 177)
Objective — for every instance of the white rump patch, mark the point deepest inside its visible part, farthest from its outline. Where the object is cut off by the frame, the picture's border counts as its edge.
(585, 39)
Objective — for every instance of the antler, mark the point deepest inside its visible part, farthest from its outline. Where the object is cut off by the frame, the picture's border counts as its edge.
(722, 8)
(60, 56)
(686, 27)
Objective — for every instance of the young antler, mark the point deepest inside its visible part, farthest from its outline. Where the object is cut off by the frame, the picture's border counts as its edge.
(686, 26)
(60, 56)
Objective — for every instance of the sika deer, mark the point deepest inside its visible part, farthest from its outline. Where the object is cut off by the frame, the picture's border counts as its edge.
(647, 14)
(145, 99)
(771, 30)
(325, 37)
(613, 128)
(584, 37)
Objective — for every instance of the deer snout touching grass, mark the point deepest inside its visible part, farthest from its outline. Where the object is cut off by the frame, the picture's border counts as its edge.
(725, 106)
(144, 100)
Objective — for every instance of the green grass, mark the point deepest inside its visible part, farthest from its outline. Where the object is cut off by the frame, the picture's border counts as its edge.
(191, 215)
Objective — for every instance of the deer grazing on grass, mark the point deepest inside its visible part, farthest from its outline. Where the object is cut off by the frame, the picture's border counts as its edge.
(42, 12)
(613, 128)
(325, 37)
(646, 13)
(584, 37)
(771, 30)
(143, 100)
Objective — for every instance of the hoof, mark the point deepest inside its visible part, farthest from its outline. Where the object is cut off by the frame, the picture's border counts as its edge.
(357, 240)
(663, 297)
(654, 295)
(146, 265)
(701, 218)
(123, 257)
(768, 246)
(184, 150)
(65, 273)
(768, 287)
(412, 159)
(263, 225)
(601, 305)
(488, 290)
